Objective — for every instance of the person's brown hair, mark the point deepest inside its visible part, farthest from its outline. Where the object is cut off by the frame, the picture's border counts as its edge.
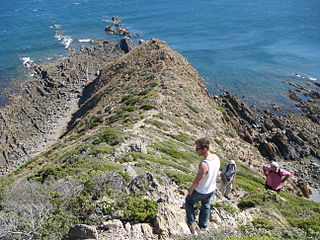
(203, 143)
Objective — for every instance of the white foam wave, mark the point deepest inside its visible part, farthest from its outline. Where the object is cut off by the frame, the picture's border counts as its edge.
(107, 20)
(55, 26)
(26, 61)
(312, 78)
(65, 40)
(85, 40)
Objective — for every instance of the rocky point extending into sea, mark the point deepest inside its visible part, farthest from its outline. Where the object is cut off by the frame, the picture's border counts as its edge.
(100, 145)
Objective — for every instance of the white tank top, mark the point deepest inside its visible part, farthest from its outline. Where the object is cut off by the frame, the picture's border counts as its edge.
(208, 183)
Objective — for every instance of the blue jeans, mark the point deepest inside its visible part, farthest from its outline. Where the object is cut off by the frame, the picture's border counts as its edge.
(204, 211)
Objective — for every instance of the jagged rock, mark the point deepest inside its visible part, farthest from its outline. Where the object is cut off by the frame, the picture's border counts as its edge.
(116, 21)
(267, 149)
(293, 137)
(126, 44)
(120, 31)
(302, 185)
(147, 231)
(136, 231)
(246, 136)
(82, 231)
(115, 224)
(145, 183)
(278, 123)
(170, 221)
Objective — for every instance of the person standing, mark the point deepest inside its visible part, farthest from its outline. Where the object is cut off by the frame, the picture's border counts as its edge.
(203, 187)
(275, 176)
(228, 177)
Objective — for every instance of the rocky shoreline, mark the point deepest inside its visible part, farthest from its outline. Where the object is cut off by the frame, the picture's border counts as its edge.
(291, 139)
(39, 110)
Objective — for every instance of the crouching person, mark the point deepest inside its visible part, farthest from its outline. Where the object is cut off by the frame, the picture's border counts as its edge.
(203, 187)
(275, 176)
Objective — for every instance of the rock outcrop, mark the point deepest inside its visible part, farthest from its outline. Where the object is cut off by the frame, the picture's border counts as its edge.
(37, 114)
(292, 137)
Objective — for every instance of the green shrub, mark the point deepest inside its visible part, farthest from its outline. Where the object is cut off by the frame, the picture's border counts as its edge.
(160, 116)
(219, 142)
(262, 223)
(119, 115)
(81, 206)
(129, 100)
(157, 123)
(171, 148)
(129, 108)
(138, 210)
(145, 92)
(194, 109)
(104, 149)
(181, 137)
(180, 178)
(306, 223)
(95, 121)
(225, 205)
(124, 175)
(56, 226)
(219, 108)
(147, 107)
(110, 136)
(48, 171)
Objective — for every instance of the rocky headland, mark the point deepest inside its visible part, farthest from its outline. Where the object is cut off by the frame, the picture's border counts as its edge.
(38, 110)
(99, 145)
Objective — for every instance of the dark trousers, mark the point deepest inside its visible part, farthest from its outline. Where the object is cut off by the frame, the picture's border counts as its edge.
(270, 188)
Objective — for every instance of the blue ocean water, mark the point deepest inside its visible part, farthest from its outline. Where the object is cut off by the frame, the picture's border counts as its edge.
(246, 47)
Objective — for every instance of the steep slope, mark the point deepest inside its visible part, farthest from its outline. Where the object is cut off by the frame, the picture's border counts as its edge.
(37, 111)
(127, 157)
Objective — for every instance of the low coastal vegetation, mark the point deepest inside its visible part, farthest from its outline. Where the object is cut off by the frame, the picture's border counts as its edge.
(129, 156)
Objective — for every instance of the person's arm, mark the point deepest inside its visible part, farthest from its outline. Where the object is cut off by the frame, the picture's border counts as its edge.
(234, 177)
(202, 171)
(286, 175)
(265, 170)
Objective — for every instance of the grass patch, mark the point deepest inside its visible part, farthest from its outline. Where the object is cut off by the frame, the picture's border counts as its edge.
(171, 148)
(194, 109)
(134, 209)
(157, 124)
(225, 205)
(147, 107)
(145, 92)
(183, 180)
(129, 108)
(130, 100)
(181, 137)
(104, 149)
(219, 142)
(94, 121)
(158, 160)
(111, 136)
(262, 223)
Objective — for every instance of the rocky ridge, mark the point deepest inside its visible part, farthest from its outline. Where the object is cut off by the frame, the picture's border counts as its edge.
(121, 167)
(36, 115)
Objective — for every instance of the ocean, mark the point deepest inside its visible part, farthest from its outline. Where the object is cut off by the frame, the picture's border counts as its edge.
(248, 48)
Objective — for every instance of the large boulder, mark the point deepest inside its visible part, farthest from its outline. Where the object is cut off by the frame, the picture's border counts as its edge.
(82, 231)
